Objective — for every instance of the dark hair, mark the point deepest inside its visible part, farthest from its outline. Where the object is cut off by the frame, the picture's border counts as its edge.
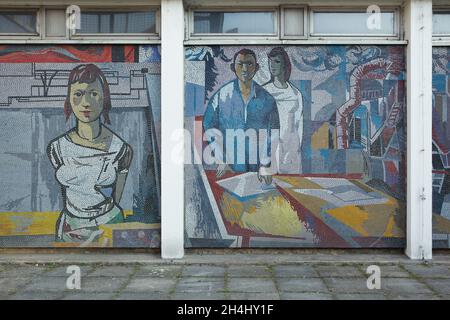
(88, 73)
(279, 51)
(244, 52)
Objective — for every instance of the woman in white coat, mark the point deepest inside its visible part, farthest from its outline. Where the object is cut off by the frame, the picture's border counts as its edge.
(290, 109)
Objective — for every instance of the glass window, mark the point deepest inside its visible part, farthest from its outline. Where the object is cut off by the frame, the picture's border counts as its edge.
(102, 22)
(441, 23)
(294, 22)
(13, 22)
(252, 22)
(353, 23)
(55, 23)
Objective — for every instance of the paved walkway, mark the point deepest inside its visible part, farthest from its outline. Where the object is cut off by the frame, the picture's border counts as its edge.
(229, 276)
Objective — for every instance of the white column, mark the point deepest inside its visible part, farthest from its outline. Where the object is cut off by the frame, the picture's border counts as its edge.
(418, 25)
(172, 109)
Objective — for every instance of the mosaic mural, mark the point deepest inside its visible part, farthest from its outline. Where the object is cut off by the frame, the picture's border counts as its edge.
(295, 146)
(441, 147)
(80, 128)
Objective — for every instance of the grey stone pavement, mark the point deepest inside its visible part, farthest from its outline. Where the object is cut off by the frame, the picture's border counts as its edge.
(223, 276)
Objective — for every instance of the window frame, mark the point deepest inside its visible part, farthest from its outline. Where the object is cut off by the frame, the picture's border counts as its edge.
(441, 36)
(280, 38)
(44, 35)
(31, 36)
(73, 35)
(305, 21)
(397, 23)
(230, 36)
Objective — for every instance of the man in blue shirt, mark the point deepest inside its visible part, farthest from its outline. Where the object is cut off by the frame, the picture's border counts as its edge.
(241, 110)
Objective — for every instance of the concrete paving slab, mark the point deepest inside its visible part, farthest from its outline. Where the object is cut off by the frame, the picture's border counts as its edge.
(347, 285)
(253, 296)
(304, 271)
(17, 271)
(412, 296)
(198, 284)
(142, 284)
(101, 284)
(404, 286)
(47, 284)
(242, 276)
(429, 271)
(4, 295)
(338, 271)
(302, 285)
(198, 296)
(9, 285)
(112, 271)
(203, 271)
(75, 295)
(441, 286)
(249, 271)
(393, 271)
(262, 285)
(305, 296)
(160, 271)
(387, 270)
(61, 271)
(142, 296)
(224, 257)
(40, 295)
(361, 296)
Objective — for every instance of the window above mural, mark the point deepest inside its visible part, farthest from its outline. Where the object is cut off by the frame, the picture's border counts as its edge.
(235, 22)
(270, 22)
(80, 23)
(353, 23)
(441, 23)
(13, 22)
(118, 22)
(294, 22)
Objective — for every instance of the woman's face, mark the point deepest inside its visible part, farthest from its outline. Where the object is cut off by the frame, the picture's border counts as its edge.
(86, 100)
(276, 65)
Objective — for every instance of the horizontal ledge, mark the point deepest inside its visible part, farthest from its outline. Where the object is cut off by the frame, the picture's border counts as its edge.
(220, 42)
(441, 43)
(84, 41)
(242, 42)
(274, 3)
(114, 108)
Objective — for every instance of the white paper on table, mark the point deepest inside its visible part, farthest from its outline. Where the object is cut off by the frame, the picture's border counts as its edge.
(247, 184)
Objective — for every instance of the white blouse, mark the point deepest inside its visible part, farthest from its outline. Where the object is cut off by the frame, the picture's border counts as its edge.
(87, 175)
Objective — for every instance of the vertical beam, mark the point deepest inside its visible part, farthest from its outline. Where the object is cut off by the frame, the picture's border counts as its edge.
(418, 27)
(172, 114)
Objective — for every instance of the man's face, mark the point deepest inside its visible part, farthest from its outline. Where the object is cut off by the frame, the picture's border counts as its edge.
(245, 67)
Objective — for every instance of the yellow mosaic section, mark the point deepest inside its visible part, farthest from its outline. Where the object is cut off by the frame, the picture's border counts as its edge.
(32, 223)
(273, 216)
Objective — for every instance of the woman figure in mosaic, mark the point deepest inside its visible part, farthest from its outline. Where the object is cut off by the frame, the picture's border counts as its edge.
(90, 160)
(290, 109)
